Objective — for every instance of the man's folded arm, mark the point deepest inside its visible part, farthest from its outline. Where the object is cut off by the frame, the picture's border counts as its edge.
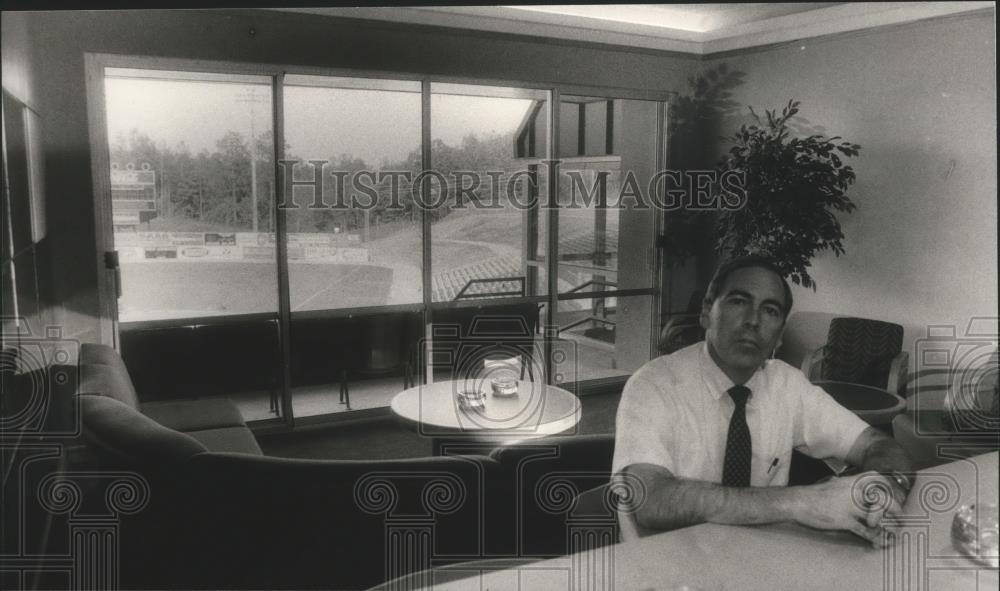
(672, 503)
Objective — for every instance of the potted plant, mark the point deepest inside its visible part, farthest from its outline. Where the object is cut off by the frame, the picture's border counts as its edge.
(794, 187)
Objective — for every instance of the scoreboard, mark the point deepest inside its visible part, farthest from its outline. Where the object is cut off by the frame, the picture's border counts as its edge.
(133, 195)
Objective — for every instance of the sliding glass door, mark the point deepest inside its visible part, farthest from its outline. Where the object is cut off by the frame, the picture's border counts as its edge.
(192, 211)
(354, 239)
(609, 150)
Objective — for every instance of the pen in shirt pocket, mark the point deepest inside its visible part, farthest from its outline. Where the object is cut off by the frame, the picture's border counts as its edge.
(774, 464)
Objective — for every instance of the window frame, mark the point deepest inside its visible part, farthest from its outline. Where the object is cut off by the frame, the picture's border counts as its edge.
(95, 64)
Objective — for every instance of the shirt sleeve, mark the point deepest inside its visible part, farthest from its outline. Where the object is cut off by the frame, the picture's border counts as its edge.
(643, 426)
(824, 428)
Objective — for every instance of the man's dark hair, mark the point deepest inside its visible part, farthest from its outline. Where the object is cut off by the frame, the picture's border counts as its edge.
(747, 262)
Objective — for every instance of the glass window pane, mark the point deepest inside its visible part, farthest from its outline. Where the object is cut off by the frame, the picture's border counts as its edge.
(469, 342)
(192, 193)
(17, 181)
(342, 82)
(608, 157)
(192, 203)
(486, 143)
(609, 336)
(352, 362)
(355, 240)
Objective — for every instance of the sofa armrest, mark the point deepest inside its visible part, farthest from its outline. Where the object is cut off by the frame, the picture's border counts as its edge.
(594, 451)
(536, 473)
(117, 431)
(197, 414)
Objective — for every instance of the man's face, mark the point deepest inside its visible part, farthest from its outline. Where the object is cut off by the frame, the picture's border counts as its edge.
(744, 323)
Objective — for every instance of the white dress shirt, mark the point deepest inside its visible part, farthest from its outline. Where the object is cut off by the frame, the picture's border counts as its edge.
(674, 412)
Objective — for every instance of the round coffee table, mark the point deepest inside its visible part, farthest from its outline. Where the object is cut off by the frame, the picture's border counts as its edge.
(537, 410)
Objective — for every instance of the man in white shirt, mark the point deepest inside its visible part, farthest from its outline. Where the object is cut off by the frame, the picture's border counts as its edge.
(707, 432)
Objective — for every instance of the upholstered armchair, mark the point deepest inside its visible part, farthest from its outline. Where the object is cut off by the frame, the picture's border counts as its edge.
(861, 351)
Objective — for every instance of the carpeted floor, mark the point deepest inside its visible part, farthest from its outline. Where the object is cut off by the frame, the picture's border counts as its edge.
(387, 439)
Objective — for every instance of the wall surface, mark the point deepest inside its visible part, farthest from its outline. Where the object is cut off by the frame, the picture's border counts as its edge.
(919, 98)
(921, 101)
(61, 39)
(29, 276)
(16, 57)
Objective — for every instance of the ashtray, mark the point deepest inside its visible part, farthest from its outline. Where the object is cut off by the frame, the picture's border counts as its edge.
(504, 386)
(974, 533)
(471, 400)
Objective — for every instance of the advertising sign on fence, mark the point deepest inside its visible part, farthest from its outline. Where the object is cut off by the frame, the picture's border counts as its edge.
(236, 246)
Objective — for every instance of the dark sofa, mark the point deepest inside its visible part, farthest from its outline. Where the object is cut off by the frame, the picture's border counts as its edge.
(215, 423)
(220, 514)
(543, 477)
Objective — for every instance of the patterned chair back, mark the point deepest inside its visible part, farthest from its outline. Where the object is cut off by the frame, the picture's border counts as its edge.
(861, 351)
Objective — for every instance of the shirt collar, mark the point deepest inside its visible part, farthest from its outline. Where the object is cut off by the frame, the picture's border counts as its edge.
(716, 380)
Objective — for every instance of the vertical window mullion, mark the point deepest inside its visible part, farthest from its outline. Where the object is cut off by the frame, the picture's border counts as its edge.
(425, 224)
(281, 247)
(659, 223)
(552, 248)
(609, 128)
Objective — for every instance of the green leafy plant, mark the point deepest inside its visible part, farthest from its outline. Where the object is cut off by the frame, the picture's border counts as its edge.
(793, 187)
(694, 114)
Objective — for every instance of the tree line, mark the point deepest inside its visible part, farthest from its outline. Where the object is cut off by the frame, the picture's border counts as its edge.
(214, 189)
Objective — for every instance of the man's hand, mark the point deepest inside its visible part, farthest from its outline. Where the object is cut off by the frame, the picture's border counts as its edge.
(874, 450)
(858, 504)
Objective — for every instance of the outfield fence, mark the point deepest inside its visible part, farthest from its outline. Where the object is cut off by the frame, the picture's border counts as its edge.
(137, 247)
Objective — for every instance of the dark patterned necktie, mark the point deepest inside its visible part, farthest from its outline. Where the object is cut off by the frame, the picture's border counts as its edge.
(736, 469)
